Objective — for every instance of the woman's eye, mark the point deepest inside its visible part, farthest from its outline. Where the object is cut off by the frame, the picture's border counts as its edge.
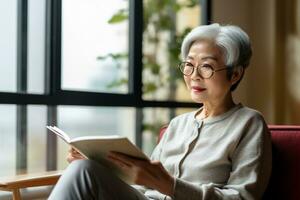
(189, 64)
(207, 66)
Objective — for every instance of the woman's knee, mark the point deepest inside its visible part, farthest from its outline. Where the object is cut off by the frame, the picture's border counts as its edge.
(82, 165)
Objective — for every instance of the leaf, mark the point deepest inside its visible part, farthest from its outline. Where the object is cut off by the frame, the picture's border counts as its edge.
(114, 56)
(153, 127)
(192, 3)
(117, 83)
(119, 17)
(153, 67)
(102, 57)
(117, 56)
(176, 7)
(149, 88)
(149, 127)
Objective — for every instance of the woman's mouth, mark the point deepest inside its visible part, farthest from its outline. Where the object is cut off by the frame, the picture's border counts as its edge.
(197, 89)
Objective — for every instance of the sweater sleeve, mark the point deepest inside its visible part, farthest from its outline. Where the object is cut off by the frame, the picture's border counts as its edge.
(251, 169)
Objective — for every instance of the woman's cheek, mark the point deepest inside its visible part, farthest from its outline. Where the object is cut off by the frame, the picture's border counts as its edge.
(187, 82)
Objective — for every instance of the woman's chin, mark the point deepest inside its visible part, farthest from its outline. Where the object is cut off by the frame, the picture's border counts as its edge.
(198, 98)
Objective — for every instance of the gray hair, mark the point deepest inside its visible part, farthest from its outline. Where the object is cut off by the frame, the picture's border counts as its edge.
(232, 40)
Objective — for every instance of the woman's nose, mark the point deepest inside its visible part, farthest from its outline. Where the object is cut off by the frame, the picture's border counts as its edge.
(196, 74)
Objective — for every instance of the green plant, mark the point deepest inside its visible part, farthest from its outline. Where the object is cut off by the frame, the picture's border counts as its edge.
(159, 30)
(159, 18)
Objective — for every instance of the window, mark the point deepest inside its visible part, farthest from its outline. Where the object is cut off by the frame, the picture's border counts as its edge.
(8, 47)
(66, 63)
(36, 41)
(90, 45)
(90, 120)
(166, 23)
(8, 131)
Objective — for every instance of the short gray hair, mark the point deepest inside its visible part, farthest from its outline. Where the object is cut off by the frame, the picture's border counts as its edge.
(232, 40)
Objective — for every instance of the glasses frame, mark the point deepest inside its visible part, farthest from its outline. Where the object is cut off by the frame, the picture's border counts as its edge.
(199, 66)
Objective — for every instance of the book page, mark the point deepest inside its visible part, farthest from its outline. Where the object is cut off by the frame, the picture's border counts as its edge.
(59, 133)
(96, 148)
(95, 137)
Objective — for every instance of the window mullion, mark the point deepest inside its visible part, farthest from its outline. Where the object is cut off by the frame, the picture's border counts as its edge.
(53, 73)
(22, 46)
(205, 11)
(51, 139)
(135, 63)
(21, 147)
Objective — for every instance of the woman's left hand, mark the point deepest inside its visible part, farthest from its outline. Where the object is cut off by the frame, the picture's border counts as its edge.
(151, 174)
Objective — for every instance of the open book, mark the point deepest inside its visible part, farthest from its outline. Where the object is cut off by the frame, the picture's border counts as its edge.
(97, 147)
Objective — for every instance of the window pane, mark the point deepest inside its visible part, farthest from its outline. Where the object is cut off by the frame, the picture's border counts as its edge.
(154, 119)
(36, 45)
(83, 121)
(166, 24)
(94, 52)
(8, 144)
(36, 138)
(8, 46)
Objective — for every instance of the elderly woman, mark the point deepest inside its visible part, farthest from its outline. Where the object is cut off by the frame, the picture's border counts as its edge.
(220, 151)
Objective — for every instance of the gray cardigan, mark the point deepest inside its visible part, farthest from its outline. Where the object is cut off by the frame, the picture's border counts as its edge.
(222, 157)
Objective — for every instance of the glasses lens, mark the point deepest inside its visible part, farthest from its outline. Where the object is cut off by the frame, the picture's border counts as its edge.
(186, 68)
(206, 71)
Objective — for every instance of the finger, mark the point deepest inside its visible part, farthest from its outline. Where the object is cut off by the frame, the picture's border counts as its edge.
(118, 162)
(118, 159)
(70, 159)
(76, 154)
(123, 157)
(77, 157)
(71, 150)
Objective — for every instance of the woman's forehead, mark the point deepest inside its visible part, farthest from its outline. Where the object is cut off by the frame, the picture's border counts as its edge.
(204, 50)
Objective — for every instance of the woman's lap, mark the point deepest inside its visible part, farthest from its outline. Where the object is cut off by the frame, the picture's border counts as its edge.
(86, 179)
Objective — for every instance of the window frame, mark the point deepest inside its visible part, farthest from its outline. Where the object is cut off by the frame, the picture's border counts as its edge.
(55, 96)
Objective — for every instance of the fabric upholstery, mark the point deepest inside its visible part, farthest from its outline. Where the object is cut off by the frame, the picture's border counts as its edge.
(284, 183)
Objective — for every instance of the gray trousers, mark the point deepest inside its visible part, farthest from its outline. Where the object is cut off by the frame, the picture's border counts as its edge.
(86, 179)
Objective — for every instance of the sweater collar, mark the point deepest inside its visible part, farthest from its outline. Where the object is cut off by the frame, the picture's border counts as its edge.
(218, 117)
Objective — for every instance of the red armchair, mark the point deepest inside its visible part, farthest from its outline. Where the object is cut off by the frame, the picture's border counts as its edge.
(285, 178)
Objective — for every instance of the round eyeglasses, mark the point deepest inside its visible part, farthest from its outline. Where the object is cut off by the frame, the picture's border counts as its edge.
(205, 70)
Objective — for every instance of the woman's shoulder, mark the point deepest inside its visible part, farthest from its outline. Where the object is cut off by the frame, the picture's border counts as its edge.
(247, 115)
(249, 112)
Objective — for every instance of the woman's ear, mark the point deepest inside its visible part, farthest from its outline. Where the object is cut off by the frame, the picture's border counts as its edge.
(237, 74)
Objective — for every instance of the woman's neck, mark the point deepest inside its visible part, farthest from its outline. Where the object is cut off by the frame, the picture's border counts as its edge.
(211, 109)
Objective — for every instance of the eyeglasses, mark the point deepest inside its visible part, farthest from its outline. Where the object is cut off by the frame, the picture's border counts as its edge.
(205, 70)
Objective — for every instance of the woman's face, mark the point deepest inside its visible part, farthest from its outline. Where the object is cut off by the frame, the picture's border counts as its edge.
(212, 90)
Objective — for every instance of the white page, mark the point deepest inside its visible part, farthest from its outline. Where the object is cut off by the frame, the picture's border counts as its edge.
(60, 133)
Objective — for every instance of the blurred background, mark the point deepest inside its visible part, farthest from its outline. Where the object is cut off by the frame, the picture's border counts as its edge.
(110, 67)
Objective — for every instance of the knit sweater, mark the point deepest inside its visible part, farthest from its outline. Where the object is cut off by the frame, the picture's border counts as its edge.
(223, 157)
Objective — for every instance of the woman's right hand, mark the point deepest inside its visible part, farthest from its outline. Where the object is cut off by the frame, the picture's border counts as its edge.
(74, 155)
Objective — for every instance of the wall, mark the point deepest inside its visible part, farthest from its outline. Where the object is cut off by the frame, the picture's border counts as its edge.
(257, 18)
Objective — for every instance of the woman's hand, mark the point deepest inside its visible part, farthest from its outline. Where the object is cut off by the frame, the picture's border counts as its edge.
(151, 174)
(74, 155)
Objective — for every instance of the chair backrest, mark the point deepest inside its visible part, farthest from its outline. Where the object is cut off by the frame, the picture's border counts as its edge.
(284, 182)
(162, 131)
(285, 179)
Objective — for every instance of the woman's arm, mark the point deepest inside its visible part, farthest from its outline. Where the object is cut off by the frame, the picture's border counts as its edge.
(151, 174)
